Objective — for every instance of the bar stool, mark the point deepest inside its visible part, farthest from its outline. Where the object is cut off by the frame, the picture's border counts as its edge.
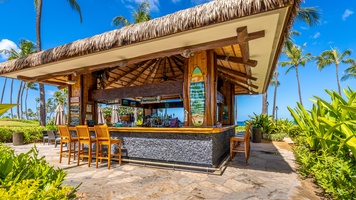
(103, 138)
(84, 138)
(235, 144)
(65, 138)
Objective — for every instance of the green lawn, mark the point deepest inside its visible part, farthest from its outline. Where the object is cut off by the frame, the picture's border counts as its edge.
(16, 124)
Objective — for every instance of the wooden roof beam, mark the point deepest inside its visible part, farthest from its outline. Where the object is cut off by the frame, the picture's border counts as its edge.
(242, 39)
(30, 79)
(236, 84)
(235, 73)
(148, 64)
(237, 80)
(251, 63)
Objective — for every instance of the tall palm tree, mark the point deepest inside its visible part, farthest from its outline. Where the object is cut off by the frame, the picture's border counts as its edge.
(38, 5)
(11, 90)
(31, 86)
(309, 15)
(329, 57)
(275, 83)
(19, 105)
(296, 59)
(140, 14)
(26, 47)
(3, 90)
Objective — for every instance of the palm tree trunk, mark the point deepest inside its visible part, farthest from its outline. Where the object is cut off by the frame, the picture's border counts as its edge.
(21, 100)
(299, 90)
(18, 100)
(3, 90)
(11, 90)
(337, 78)
(275, 93)
(264, 103)
(39, 48)
(26, 103)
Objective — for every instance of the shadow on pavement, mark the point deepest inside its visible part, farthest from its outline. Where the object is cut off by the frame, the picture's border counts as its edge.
(265, 157)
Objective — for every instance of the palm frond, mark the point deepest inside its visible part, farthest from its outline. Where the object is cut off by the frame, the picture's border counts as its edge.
(75, 6)
(310, 15)
(120, 21)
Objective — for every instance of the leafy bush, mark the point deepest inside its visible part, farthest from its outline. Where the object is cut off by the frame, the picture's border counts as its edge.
(275, 136)
(327, 143)
(31, 134)
(337, 175)
(25, 176)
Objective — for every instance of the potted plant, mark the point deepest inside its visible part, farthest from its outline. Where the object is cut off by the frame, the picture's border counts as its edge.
(258, 123)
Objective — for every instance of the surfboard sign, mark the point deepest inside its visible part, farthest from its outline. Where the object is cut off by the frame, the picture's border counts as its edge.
(197, 97)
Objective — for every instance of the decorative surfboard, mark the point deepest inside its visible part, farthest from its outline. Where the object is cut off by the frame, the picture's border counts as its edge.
(197, 97)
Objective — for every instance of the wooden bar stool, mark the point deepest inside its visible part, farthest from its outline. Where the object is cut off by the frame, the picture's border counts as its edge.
(237, 140)
(84, 138)
(65, 138)
(103, 138)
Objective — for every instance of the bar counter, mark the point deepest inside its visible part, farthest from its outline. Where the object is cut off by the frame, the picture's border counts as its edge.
(186, 145)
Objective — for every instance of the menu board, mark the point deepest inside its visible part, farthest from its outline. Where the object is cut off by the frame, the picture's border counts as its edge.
(74, 111)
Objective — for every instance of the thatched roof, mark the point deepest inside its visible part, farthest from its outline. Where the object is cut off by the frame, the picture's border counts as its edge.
(203, 15)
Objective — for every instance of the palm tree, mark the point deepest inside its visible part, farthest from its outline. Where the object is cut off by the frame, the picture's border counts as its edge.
(296, 59)
(309, 15)
(275, 83)
(329, 57)
(38, 4)
(11, 90)
(350, 72)
(140, 14)
(26, 47)
(3, 90)
(31, 86)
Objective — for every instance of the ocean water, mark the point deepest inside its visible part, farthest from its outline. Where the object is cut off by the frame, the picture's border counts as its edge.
(240, 123)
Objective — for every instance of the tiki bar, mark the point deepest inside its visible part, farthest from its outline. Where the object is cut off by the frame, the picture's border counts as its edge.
(198, 60)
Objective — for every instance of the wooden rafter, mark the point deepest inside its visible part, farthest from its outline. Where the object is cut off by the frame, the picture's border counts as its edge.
(170, 65)
(235, 73)
(176, 60)
(237, 79)
(234, 82)
(30, 79)
(242, 39)
(122, 75)
(147, 65)
(251, 63)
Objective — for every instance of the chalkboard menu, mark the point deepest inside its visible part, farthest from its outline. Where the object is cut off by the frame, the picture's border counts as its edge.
(74, 111)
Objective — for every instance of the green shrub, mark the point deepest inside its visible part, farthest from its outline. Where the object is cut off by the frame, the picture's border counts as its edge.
(327, 143)
(275, 136)
(25, 176)
(337, 175)
(31, 134)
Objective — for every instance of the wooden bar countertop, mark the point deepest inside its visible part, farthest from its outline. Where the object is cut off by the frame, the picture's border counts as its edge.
(182, 130)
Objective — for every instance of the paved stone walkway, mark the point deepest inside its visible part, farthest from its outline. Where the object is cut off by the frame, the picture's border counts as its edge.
(270, 174)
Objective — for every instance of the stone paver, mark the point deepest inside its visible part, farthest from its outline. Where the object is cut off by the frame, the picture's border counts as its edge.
(270, 174)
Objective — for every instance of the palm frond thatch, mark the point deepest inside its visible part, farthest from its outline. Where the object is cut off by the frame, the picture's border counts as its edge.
(203, 15)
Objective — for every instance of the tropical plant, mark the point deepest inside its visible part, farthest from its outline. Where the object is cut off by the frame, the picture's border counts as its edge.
(38, 5)
(329, 126)
(140, 14)
(329, 57)
(25, 176)
(296, 59)
(310, 15)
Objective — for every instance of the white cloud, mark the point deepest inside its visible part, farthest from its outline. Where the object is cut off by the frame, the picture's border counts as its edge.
(346, 14)
(304, 28)
(316, 35)
(176, 1)
(331, 42)
(8, 45)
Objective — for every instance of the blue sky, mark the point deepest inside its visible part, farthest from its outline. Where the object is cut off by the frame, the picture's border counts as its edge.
(61, 25)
